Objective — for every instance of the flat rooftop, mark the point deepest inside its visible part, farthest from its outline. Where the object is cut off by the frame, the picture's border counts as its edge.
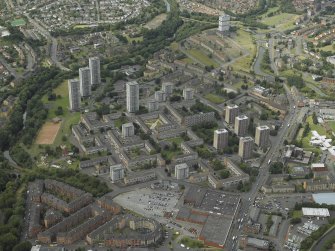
(216, 229)
(212, 201)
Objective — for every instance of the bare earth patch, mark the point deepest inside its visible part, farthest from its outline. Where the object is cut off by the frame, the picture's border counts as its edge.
(157, 21)
(48, 133)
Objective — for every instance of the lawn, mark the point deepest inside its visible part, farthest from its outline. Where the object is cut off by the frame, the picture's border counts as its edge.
(188, 242)
(171, 154)
(187, 60)
(174, 46)
(245, 40)
(177, 140)
(214, 98)
(297, 214)
(331, 124)
(202, 57)
(330, 47)
(283, 21)
(18, 22)
(239, 84)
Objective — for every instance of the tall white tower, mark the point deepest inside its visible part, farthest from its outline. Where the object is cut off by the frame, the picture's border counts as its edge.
(133, 96)
(85, 81)
(94, 64)
(74, 94)
(224, 23)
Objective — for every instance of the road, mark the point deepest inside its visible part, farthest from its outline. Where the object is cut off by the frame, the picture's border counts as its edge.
(272, 55)
(168, 6)
(257, 64)
(52, 40)
(247, 199)
(322, 242)
(9, 68)
(9, 158)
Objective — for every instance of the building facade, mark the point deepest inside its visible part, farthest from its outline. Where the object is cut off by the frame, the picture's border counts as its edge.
(188, 93)
(94, 65)
(116, 173)
(224, 23)
(241, 125)
(245, 147)
(160, 96)
(181, 171)
(128, 130)
(231, 113)
(85, 81)
(220, 140)
(167, 87)
(133, 96)
(74, 94)
(262, 136)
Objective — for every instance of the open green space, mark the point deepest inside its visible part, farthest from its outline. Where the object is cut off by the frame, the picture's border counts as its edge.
(331, 124)
(297, 214)
(187, 60)
(174, 46)
(330, 47)
(188, 242)
(18, 22)
(239, 84)
(202, 57)
(283, 21)
(245, 40)
(313, 127)
(177, 140)
(214, 98)
(68, 118)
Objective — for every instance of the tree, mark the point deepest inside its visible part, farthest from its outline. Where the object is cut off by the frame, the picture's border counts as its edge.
(224, 174)
(315, 118)
(23, 246)
(276, 168)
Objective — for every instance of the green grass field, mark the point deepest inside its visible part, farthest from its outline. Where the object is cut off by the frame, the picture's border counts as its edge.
(177, 140)
(297, 214)
(245, 40)
(283, 21)
(330, 47)
(18, 22)
(239, 84)
(214, 98)
(187, 60)
(332, 125)
(202, 57)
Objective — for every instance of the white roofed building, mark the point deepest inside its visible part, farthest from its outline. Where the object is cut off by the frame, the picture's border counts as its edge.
(315, 212)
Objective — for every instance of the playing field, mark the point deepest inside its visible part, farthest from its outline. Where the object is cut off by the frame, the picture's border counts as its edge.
(18, 22)
(48, 133)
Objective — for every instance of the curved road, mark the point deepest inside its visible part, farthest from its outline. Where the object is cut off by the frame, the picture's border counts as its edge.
(322, 242)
